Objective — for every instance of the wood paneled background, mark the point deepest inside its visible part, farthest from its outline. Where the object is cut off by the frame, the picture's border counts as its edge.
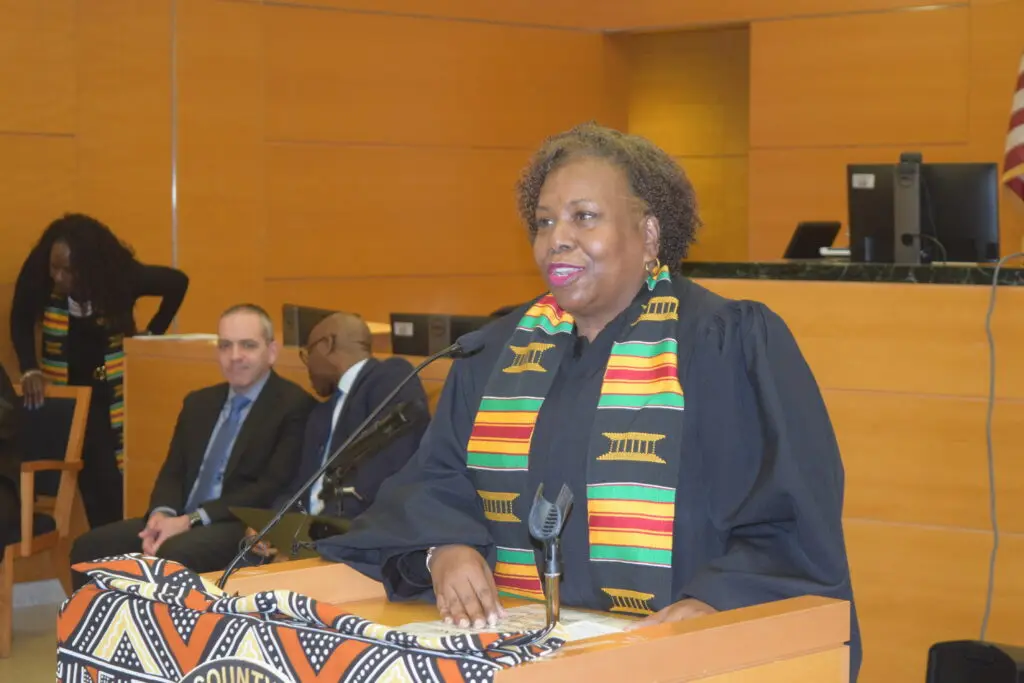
(361, 154)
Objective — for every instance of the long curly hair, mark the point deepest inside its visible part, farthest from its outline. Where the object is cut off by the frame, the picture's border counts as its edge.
(654, 176)
(102, 266)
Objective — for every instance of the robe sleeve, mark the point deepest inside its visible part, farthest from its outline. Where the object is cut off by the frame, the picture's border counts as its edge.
(429, 502)
(772, 465)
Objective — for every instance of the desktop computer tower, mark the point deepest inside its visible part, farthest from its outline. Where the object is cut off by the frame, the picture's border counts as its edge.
(973, 661)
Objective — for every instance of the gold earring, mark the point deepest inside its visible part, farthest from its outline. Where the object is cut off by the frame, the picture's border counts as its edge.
(652, 270)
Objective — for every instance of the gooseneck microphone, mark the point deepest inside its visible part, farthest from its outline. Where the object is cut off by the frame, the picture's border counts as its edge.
(465, 346)
(546, 523)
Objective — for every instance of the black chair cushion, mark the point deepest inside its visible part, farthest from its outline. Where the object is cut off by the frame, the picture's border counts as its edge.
(41, 524)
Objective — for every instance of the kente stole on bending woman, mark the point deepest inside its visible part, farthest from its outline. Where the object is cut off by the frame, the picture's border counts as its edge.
(56, 319)
(632, 460)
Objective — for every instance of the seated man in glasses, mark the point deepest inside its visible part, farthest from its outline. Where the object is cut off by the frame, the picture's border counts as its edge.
(339, 358)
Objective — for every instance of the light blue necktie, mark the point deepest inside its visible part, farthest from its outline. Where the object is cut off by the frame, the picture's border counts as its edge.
(211, 473)
(315, 504)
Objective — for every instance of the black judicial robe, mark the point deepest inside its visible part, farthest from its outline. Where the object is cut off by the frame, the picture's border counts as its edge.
(760, 491)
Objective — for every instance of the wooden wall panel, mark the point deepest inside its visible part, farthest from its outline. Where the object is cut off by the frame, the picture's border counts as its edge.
(123, 129)
(921, 459)
(997, 43)
(648, 14)
(687, 91)
(37, 66)
(37, 183)
(1005, 624)
(376, 298)
(720, 184)
(996, 46)
(342, 77)
(221, 197)
(809, 184)
(870, 79)
(944, 355)
(916, 586)
(904, 372)
(123, 125)
(566, 13)
(383, 211)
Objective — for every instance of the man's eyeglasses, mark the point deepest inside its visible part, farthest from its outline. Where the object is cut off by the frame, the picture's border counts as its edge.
(308, 348)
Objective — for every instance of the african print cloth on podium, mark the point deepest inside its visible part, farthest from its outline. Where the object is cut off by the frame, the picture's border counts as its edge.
(144, 619)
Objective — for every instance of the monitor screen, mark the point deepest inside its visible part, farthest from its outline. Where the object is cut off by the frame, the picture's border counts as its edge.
(959, 212)
(424, 334)
(298, 321)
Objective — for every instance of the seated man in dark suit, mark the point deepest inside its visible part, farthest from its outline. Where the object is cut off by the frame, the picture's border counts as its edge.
(10, 463)
(341, 367)
(234, 444)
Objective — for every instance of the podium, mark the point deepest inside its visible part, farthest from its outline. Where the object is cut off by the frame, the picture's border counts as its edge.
(799, 640)
(146, 619)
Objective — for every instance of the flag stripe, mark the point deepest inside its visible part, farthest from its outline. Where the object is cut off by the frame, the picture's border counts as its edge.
(1013, 164)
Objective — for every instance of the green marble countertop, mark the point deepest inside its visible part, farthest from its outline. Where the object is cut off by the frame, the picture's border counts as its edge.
(838, 271)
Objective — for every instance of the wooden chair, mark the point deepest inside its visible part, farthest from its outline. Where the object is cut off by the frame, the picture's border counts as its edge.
(58, 428)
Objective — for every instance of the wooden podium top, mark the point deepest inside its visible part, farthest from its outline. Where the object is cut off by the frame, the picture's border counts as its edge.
(791, 641)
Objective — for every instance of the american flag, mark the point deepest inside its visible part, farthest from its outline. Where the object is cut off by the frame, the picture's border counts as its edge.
(1014, 164)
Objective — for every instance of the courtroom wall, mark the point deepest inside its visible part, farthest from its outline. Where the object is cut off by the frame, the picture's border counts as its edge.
(688, 91)
(358, 155)
(85, 124)
(830, 82)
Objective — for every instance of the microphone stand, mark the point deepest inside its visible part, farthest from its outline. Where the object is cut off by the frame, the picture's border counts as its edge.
(546, 523)
(454, 349)
(396, 423)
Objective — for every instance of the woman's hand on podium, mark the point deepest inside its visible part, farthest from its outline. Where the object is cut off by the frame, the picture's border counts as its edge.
(464, 587)
(689, 608)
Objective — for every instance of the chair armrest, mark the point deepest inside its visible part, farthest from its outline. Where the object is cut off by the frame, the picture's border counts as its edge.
(48, 465)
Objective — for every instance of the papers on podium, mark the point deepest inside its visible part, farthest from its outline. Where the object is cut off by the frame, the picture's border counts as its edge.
(572, 624)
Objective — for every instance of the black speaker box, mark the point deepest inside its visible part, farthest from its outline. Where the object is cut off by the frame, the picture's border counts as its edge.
(972, 661)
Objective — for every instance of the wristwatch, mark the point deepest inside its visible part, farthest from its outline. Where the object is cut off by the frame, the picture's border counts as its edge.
(194, 519)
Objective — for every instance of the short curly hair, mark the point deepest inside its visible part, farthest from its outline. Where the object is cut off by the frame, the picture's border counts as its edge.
(655, 178)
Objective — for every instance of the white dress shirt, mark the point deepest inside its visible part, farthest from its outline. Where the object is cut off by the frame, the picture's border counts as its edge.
(348, 379)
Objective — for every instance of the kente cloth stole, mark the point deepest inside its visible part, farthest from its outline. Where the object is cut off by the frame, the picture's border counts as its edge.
(632, 460)
(55, 364)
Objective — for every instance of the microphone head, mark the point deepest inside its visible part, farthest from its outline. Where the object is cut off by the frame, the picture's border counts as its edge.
(547, 519)
(468, 344)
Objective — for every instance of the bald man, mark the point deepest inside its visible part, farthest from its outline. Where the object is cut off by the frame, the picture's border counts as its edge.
(343, 370)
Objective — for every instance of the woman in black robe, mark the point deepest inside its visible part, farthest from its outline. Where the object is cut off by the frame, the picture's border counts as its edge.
(725, 496)
(79, 284)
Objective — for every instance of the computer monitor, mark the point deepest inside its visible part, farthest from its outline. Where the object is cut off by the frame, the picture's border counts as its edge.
(959, 211)
(298, 321)
(424, 334)
(809, 238)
